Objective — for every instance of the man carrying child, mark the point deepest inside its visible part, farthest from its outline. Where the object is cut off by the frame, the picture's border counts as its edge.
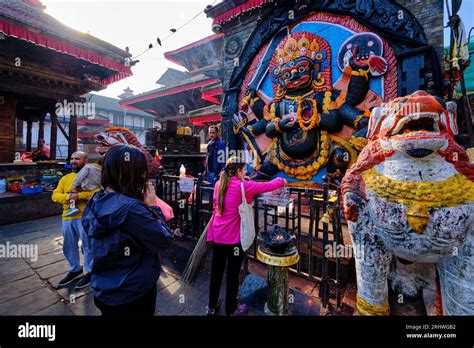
(72, 195)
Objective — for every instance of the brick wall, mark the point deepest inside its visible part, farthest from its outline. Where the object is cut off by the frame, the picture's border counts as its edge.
(430, 15)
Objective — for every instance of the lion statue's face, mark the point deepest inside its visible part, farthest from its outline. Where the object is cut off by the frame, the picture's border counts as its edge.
(109, 139)
(416, 125)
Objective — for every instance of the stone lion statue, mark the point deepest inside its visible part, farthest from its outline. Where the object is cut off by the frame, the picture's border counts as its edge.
(410, 195)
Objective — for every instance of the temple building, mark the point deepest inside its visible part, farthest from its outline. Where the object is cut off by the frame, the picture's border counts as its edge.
(31, 86)
(45, 68)
(191, 97)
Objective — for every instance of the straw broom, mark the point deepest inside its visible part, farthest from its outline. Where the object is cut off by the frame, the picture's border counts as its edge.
(197, 258)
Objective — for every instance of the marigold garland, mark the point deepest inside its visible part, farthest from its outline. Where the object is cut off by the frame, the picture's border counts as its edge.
(313, 121)
(306, 172)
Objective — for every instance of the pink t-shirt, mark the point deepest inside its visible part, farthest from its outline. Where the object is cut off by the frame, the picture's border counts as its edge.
(46, 151)
(225, 228)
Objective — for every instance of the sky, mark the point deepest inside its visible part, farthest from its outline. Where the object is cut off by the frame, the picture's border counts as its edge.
(467, 15)
(136, 24)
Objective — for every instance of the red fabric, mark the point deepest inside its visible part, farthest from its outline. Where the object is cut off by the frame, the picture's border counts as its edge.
(206, 96)
(20, 33)
(210, 95)
(246, 6)
(203, 120)
(86, 121)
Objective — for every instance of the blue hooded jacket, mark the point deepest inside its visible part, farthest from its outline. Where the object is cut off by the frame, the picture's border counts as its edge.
(125, 238)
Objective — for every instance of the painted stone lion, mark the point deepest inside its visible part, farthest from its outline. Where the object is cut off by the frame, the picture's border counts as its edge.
(411, 195)
(122, 136)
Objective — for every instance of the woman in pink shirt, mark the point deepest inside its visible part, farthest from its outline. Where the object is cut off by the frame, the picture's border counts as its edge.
(224, 232)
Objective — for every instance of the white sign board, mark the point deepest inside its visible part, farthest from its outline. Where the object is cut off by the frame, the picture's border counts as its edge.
(186, 185)
(279, 197)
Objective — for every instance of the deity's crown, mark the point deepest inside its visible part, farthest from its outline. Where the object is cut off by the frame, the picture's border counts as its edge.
(301, 44)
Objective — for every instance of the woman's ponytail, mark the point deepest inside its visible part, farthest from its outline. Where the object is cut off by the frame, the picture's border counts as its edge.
(233, 164)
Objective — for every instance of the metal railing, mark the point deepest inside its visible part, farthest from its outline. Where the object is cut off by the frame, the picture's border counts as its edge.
(318, 228)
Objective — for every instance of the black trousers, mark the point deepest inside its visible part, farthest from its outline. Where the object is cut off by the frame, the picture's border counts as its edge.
(141, 307)
(230, 255)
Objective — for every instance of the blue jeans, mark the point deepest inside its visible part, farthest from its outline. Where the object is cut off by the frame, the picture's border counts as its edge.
(72, 232)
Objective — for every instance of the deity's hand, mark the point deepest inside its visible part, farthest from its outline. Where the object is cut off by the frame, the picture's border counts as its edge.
(287, 123)
(361, 56)
(239, 120)
(248, 96)
(378, 65)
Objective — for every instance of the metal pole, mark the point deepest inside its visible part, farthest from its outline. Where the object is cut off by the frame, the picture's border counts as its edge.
(454, 25)
(467, 109)
(451, 49)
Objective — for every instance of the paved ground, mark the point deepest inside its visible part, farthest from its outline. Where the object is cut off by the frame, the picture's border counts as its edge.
(30, 287)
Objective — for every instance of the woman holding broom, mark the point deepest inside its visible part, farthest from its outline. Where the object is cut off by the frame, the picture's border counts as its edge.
(224, 232)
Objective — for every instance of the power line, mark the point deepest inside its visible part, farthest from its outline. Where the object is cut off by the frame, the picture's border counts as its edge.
(173, 31)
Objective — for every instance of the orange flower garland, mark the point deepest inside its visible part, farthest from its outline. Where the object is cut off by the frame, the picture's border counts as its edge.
(313, 121)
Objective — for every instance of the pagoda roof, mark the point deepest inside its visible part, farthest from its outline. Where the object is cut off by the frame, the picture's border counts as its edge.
(113, 104)
(26, 21)
(205, 116)
(172, 76)
(198, 54)
(170, 100)
(228, 10)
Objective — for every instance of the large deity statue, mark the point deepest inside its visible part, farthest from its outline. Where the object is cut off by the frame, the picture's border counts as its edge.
(306, 110)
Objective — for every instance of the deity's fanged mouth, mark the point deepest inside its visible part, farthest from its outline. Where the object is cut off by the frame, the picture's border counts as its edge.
(296, 83)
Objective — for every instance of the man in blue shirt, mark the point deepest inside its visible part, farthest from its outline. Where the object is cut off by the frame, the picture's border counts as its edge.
(215, 156)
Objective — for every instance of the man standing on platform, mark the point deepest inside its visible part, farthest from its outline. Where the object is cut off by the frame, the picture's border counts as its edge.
(72, 225)
(216, 158)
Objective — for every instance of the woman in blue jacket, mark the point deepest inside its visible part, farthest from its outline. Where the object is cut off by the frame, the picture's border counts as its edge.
(126, 233)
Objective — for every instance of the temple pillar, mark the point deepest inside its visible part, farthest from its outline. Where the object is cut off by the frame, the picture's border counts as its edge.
(7, 129)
